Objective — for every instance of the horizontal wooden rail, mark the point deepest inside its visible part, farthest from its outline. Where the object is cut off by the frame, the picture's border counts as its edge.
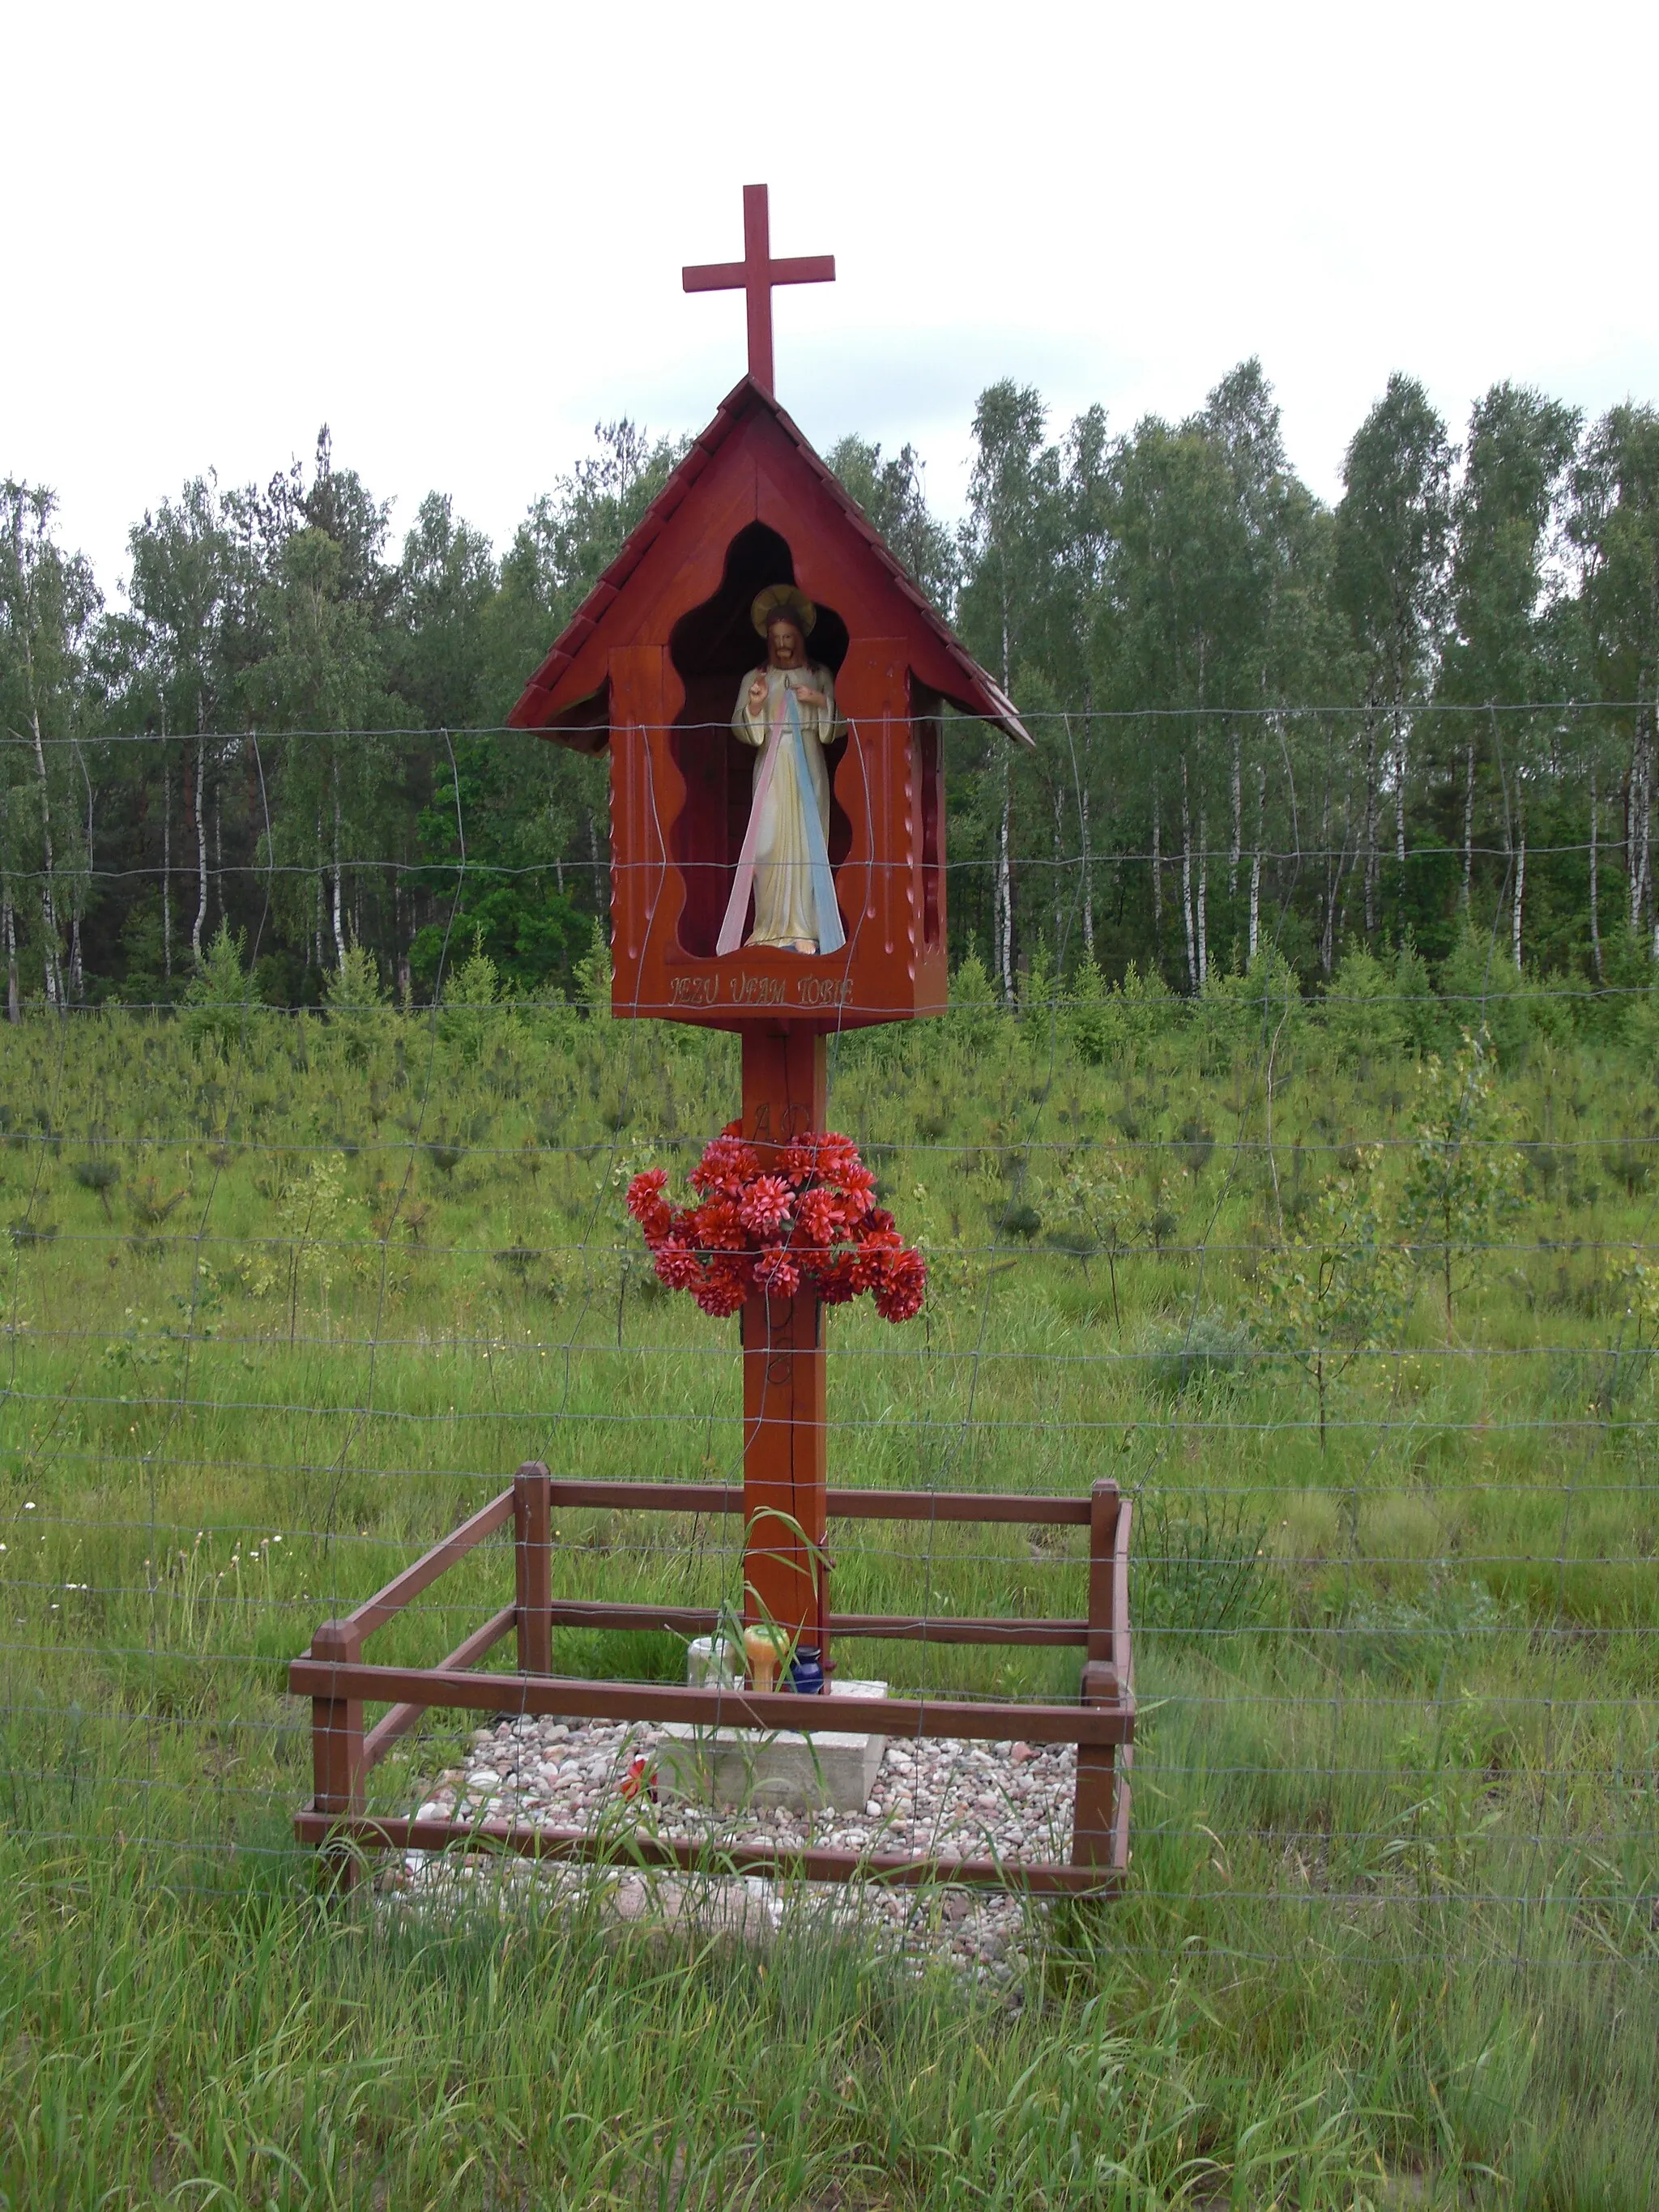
(841, 1504)
(467, 1653)
(903, 1628)
(373, 1613)
(561, 1696)
(819, 1864)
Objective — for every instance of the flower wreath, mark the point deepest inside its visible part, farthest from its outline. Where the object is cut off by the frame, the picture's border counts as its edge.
(806, 1221)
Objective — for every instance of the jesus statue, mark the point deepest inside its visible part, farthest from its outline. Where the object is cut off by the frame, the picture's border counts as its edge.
(786, 710)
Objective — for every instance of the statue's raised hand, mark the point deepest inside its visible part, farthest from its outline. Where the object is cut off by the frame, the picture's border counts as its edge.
(756, 694)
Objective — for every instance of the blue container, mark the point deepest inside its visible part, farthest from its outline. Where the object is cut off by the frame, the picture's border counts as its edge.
(806, 1673)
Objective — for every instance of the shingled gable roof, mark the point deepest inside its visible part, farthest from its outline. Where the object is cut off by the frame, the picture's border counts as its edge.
(980, 695)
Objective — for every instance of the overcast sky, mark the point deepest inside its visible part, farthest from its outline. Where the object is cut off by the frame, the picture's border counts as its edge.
(456, 235)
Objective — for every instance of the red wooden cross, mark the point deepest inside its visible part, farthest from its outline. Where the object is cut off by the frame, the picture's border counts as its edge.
(756, 275)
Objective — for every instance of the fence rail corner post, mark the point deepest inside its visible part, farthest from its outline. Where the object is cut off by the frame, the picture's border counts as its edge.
(1094, 1822)
(532, 1561)
(337, 1763)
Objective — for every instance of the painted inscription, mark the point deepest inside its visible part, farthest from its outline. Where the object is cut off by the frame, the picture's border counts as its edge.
(742, 990)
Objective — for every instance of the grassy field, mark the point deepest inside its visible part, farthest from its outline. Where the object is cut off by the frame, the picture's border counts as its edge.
(287, 1296)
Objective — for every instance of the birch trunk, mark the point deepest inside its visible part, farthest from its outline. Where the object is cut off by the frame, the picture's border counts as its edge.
(1595, 879)
(52, 949)
(317, 902)
(602, 903)
(1520, 876)
(77, 973)
(1088, 874)
(1059, 870)
(1203, 900)
(1157, 878)
(1236, 845)
(1006, 893)
(13, 1011)
(167, 861)
(339, 931)
(1255, 857)
(1325, 954)
(1187, 878)
(1370, 836)
(197, 926)
(1468, 821)
(1639, 821)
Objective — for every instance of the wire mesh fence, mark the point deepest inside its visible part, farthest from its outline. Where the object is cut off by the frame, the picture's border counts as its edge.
(1346, 1272)
(1354, 1287)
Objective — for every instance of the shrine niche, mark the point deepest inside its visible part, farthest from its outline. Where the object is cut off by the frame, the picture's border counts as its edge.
(649, 669)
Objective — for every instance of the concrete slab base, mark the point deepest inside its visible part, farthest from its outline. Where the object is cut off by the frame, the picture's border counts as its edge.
(805, 1772)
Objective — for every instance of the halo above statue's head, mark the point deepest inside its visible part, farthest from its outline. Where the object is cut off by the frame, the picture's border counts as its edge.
(785, 602)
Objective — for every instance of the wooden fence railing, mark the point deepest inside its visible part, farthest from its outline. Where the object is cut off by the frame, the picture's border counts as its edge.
(334, 1675)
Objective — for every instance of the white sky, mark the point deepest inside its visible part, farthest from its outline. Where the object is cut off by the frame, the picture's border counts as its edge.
(456, 234)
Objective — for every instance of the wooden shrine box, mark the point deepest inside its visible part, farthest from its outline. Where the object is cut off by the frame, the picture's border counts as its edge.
(650, 666)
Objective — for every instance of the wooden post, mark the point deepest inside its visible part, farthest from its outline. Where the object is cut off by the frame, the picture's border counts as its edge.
(1093, 1812)
(533, 1566)
(336, 1749)
(1102, 1544)
(785, 1455)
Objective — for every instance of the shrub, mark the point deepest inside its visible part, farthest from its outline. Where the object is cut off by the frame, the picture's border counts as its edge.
(1481, 990)
(975, 1015)
(1208, 1348)
(1092, 1018)
(468, 1012)
(1199, 1565)
(1464, 1181)
(219, 1003)
(1258, 1011)
(1362, 1011)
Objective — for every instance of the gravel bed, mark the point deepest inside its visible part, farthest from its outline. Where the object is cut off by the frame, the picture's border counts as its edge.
(1008, 1801)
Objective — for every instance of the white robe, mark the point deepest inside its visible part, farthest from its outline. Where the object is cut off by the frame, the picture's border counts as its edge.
(786, 912)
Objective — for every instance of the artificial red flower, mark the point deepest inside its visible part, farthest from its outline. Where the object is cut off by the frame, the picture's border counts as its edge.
(648, 1205)
(677, 1267)
(807, 1221)
(818, 1214)
(765, 1206)
(903, 1282)
(775, 1271)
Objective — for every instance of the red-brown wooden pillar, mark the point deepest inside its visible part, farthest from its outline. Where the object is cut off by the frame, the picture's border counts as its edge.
(337, 1750)
(784, 1447)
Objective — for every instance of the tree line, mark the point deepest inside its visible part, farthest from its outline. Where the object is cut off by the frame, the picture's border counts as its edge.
(1263, 720)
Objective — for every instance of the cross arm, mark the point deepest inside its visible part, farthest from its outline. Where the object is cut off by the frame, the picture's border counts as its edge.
(732, 276)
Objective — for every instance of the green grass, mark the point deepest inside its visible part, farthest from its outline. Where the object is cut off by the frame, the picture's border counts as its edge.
(1390, 1934)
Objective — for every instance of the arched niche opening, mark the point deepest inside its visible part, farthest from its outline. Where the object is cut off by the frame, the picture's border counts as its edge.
(713, 648)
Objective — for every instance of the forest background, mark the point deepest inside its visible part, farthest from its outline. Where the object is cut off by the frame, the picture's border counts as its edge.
(1425, 712)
